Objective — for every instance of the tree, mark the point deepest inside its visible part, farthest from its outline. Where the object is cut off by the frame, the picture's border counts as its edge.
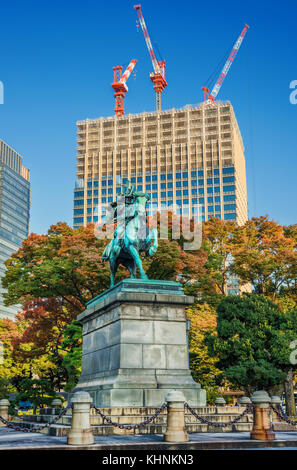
(265, 255)
(203, 320)
(37, 391)
(217, 235)
(251, 342)
(65, 263)
(72, 344)
(42, 324)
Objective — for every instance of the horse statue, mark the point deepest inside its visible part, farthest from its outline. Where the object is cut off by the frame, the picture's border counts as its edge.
(132, 235)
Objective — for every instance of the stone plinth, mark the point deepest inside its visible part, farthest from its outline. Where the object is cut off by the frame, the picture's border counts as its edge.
(135, 346)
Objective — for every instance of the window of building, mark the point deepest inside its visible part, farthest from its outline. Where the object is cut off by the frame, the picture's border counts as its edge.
(230, 216)
(228, 179)
(228, 189)
(78, 202)
(229, 207)
(210, 208)
(228, 171)
(229, 198)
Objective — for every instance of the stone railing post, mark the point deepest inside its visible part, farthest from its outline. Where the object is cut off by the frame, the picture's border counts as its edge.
(56, 403)
(262, 429)
(176, 429)
(245, 401)
(4, 405)
(220, 401)
(80, 432)
(275, 401)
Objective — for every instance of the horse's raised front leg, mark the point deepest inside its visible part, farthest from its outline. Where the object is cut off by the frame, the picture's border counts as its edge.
(137, 259)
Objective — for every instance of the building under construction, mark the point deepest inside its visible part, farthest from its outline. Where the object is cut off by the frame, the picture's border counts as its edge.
(192, 158)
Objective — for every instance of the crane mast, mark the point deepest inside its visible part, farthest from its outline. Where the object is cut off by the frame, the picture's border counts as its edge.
(158, 77)
(212, 96)
(120, 87)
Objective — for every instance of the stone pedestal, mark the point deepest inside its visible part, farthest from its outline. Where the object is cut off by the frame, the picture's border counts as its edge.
(135, 346)
(262, 429)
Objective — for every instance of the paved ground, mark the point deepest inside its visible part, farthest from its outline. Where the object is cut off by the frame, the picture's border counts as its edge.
(10, 439)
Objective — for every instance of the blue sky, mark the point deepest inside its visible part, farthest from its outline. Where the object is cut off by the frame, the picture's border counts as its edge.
(56, 66)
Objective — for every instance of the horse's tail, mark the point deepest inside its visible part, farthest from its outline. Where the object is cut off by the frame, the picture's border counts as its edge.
(106, 252)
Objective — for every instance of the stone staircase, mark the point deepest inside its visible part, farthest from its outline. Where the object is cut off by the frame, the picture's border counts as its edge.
(217, 414)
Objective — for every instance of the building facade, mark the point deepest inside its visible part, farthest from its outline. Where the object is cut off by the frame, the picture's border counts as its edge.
(14, 211)
(190, 158)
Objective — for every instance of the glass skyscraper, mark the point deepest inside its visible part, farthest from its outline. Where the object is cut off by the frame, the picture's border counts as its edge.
(14, 211)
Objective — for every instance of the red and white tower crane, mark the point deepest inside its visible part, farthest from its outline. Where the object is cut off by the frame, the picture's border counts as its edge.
(158, 77)
(212, 96)
(120, 87)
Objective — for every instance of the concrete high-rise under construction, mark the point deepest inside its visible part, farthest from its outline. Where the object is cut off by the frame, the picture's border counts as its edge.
(192, 158)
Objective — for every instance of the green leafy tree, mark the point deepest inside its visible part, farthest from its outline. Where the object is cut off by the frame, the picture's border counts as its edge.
(72, 344)
(252, 342)
(38, 391)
